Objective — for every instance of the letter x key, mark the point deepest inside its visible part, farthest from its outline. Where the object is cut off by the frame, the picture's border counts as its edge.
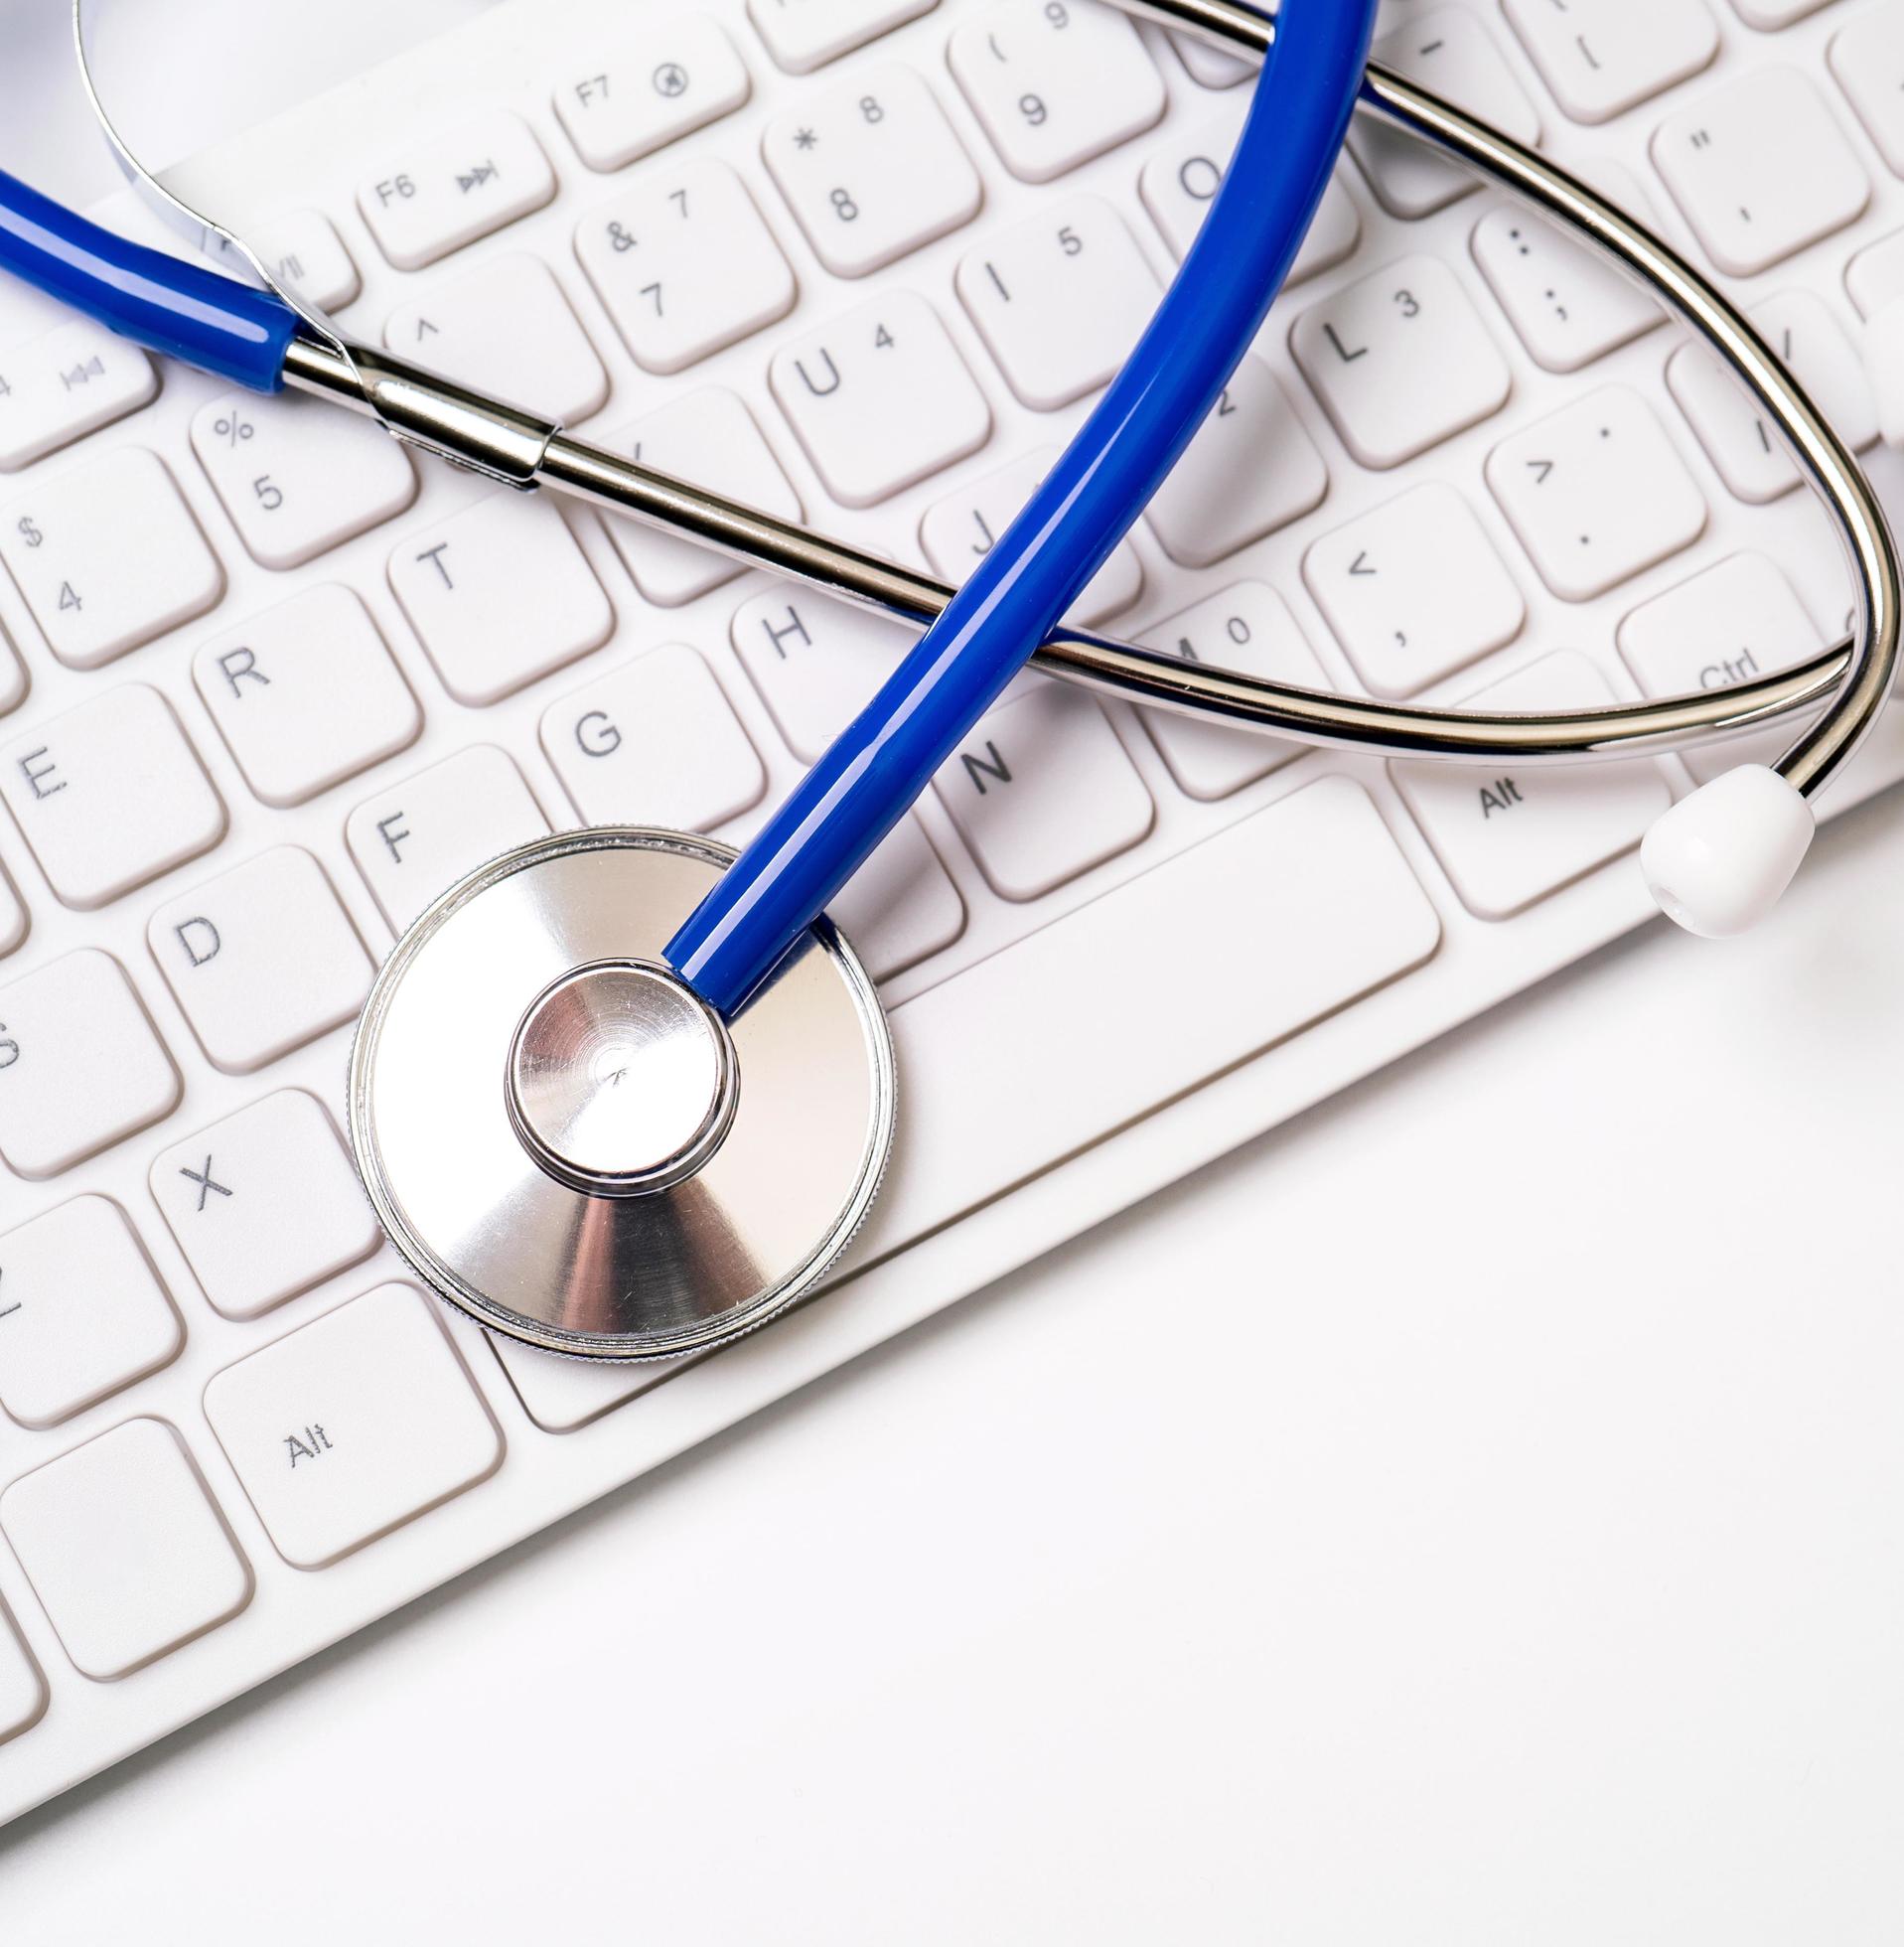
(206, 1182)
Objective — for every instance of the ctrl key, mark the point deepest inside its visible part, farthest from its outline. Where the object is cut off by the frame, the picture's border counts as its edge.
(125, 1548)
(352, 1425)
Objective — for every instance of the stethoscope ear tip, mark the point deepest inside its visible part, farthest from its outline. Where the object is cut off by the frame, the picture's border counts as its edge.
(1719, 860)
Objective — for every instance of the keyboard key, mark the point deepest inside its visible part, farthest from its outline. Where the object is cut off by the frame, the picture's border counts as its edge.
(901, 907)
(1739, 438)
(64, 383)
(13, 677)
(958, 531)
(264, 1204)
(109, 795)
(80, 1064)
(647, 86)
(306, 694)
(1043, 790)
(708, 437)
(352, 1425)
(1596, 493)
(1771, 14)
(13, 915)
(1252, 469)
(1507, 837)
(1603, 56)
(816, 663)
(108, 556)
(504, 327)
(1727, 625)
(1806, 334)
(1364, 351)
(684, 264)
(23, 1692)
(880, 398)
(1867, 58)
(560, 1394)
(124, 1548)
(1056, 85)
(1760, 169)
(872, 169)
(1247, 628)
(1317, 869)
(307, 256)
(298, 477)
(500, 594)
(81, 1311)
(1875, 276)
(655, 742)
(1208, 66)
(1567, 303)
(417, 839)
(1180, 179)
(1449, 51)
(1060, 300)
(802, 35)
(1414, 590)
(262, 959)
(459, 186)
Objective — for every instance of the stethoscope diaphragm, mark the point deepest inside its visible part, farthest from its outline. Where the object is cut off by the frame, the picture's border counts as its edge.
(567, 1144)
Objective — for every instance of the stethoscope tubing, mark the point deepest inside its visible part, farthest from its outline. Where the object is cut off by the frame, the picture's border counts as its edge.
(1856, 671)
(873, 771)
(257, 341)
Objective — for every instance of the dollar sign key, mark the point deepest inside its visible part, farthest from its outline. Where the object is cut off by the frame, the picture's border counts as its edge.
(34, 537)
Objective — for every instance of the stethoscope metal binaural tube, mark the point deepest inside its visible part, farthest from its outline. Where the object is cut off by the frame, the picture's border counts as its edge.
(1848, 683)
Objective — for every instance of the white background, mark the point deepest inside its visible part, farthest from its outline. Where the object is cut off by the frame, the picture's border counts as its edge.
(1474, 1514)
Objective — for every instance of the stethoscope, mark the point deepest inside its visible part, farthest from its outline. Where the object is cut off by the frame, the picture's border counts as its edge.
(625, 1093)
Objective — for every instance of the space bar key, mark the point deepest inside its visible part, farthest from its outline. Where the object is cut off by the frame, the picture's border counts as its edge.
(1107, 1015)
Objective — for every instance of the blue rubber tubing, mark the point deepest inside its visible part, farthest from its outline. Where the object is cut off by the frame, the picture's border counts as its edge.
(833, 820)
(170, 306)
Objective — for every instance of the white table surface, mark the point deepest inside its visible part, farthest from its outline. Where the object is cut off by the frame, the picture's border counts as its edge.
(1522, 1562)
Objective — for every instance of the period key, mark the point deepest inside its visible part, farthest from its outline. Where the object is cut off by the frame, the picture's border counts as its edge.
(352, 1426)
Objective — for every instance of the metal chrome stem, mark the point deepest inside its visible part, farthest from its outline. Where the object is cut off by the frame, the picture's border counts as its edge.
(1849, 683)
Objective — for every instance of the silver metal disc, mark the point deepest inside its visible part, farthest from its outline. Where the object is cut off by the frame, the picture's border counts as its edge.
(516, 1166)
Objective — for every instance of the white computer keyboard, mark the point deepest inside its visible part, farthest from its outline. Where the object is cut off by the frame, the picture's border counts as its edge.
(266, 684)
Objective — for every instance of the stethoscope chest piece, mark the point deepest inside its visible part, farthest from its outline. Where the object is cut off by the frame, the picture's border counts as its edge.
(567, 1144)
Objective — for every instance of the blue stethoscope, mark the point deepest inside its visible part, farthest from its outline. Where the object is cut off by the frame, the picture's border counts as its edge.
(623, 1094)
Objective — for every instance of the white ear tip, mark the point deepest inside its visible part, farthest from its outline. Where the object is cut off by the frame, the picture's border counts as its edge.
(1718, 861)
